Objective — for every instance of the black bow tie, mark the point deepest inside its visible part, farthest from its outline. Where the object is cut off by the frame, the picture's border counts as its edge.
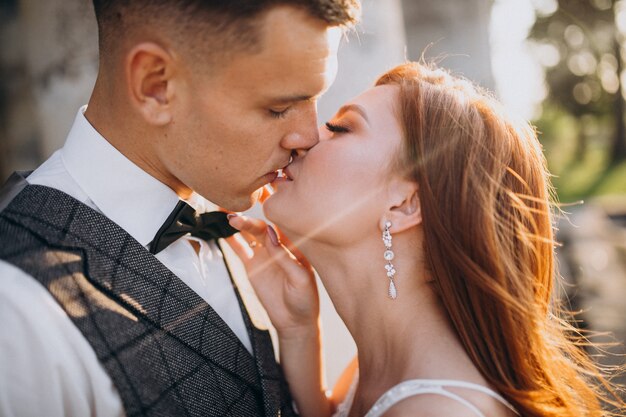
(184, 219)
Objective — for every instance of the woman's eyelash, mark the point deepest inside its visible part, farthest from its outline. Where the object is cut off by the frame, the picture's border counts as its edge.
(336, 128)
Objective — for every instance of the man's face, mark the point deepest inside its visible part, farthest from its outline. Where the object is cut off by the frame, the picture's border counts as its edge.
(235, 125)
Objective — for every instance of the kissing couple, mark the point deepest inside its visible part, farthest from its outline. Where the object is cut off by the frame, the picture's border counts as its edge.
(423, 206)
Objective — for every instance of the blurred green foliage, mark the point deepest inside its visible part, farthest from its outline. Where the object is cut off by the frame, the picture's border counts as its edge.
(578, 177)
(580, 45)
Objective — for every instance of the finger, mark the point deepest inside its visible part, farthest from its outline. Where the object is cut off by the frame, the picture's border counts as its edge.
(285, 258)
(248, 237)
(249, 225)
(294, 250)
(241, 247)
(244, 236)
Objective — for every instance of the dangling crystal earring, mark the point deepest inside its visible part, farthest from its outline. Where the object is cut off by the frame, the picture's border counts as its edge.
(389, 255)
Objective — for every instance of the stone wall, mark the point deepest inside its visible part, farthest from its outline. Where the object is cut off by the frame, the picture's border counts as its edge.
(48, 64)
(455, 31)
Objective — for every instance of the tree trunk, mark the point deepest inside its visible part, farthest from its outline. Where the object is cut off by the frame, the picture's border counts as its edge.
(48, 62)
(19, 148)
(618, 147)
(377, 45)
(581, 144)
(458, 32)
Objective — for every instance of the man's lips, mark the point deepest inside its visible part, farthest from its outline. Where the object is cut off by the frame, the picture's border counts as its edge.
(280, 174)
(276, 176)
(270, 176)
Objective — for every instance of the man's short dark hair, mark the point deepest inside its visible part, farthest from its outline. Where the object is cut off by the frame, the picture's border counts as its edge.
(228, 25)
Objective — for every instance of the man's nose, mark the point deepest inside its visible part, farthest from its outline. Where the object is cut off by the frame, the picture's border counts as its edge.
(303, 134)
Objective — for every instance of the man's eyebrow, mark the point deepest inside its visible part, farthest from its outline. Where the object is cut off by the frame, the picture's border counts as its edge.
(353, 107)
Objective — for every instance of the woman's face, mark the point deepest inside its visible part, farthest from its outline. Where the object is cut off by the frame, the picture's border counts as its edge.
(339, 189)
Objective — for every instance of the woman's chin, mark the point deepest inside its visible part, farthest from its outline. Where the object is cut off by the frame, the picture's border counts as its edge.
(280, 212)
(272, 208)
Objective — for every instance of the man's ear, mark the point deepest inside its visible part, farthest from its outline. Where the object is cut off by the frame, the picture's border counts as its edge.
(149, 69)
(405, 211)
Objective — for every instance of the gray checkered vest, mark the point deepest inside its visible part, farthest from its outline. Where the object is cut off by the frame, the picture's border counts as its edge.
(167, 351)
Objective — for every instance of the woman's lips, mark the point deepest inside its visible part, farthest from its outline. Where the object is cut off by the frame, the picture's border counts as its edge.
(281, 179)
(287, 173)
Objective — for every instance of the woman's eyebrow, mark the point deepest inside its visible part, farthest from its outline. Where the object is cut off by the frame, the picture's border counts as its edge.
(353, 107)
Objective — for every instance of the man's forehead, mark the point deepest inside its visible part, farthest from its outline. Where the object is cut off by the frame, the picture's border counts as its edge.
(303, 78)
(287, 29)
(288, 68)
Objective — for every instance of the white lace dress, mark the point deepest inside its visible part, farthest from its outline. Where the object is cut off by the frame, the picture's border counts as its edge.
(417, 387)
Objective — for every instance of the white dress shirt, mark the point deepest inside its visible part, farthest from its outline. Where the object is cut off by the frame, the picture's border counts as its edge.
(47, 367)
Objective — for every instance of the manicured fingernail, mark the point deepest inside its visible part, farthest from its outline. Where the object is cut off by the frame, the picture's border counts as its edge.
(231, 215)
(272, 234)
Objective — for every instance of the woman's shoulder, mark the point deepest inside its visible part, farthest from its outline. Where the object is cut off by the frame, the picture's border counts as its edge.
(427, 405)
(461, 403)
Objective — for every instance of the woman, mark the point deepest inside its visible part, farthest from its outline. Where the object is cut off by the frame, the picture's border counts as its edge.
(426, 212)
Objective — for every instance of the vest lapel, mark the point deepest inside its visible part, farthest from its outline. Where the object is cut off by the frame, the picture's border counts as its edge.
(12, 187)
(275, 391)
(126, 272)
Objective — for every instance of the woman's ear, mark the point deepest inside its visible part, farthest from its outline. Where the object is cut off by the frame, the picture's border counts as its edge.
(405, 211)
(149, 69)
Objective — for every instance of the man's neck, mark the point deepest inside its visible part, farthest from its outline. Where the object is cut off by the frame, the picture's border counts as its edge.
(121, 132)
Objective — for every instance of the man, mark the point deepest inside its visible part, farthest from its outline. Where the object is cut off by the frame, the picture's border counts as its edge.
(108, 305)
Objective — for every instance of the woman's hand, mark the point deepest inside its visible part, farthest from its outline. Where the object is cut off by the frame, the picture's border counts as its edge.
(285, 283)
(281, 276)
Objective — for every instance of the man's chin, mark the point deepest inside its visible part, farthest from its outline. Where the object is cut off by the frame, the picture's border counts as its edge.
(246, 203)
(238, 204)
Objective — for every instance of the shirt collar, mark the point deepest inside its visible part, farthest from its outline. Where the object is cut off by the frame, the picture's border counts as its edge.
(126, 194)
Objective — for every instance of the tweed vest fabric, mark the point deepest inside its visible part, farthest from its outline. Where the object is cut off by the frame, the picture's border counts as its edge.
(167, 351)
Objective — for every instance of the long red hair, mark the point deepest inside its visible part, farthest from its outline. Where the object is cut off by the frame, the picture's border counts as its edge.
(489, 242)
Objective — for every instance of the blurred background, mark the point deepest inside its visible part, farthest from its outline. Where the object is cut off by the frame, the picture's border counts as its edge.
(557, 62)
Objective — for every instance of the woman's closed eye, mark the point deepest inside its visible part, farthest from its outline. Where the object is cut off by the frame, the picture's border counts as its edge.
(336, 128)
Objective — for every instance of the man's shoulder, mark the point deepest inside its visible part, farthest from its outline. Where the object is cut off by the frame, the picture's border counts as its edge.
(45, 355)
(32, 319)
(20, 292)
(30, 315)
(53, 174)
